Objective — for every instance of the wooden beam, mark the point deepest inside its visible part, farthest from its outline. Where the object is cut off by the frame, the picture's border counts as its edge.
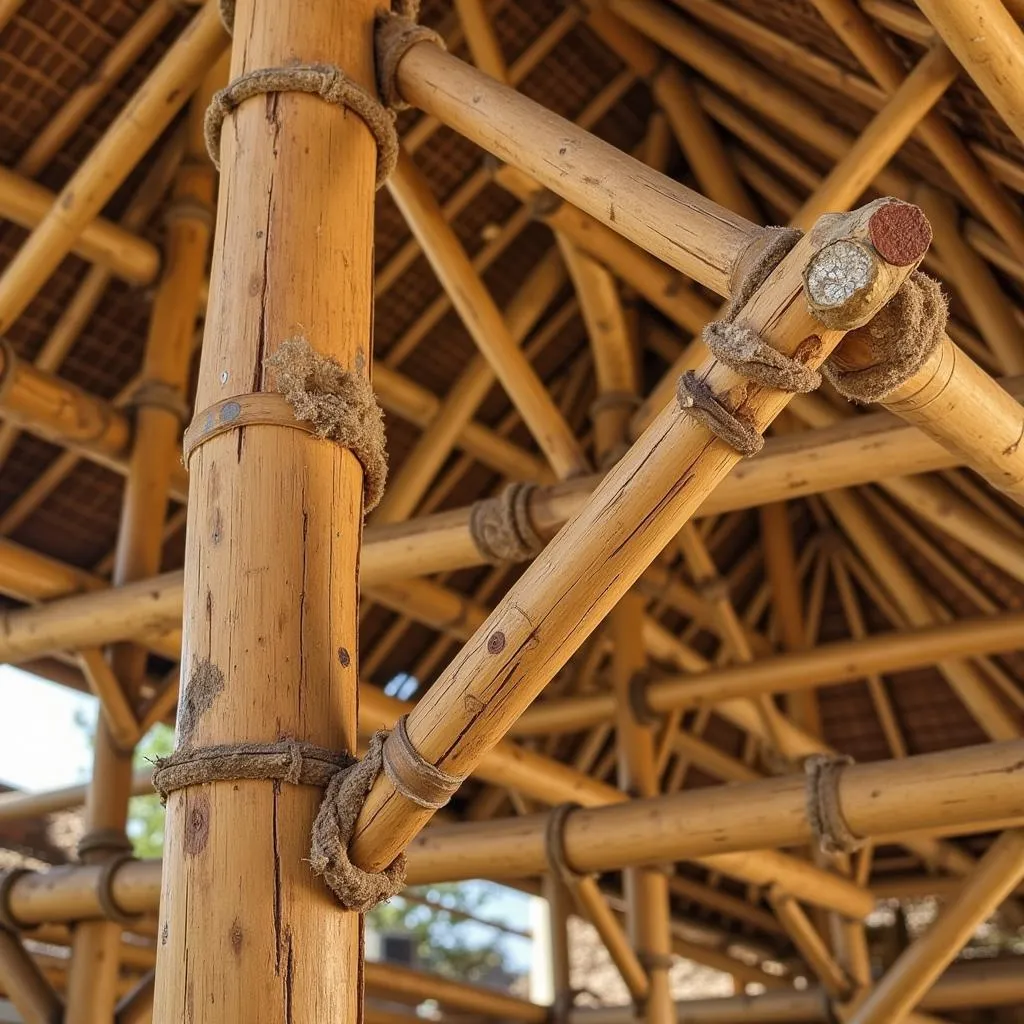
(482, 39)
(25, 984)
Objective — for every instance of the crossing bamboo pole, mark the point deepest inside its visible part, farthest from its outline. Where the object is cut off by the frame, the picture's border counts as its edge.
(92, 976)
(482, 39)
(25, 983)
(18, 806)
(423, 462)
(949, 791)
(881, 139)
(138, 125)
(136, 1006)
(647, 892)
(809, 943)
(996, 875)
(279, 222)
(588, 566)
(705, 155)
(124, 253)
(654, 219)
(990, 46)
(483, 320)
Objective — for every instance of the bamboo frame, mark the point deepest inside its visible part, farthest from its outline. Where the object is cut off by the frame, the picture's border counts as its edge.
(25, 984)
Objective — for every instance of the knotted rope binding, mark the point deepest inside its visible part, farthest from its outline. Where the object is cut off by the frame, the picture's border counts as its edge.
(742, 349)
(346, 782)
(111, 841)
(105, 891)
(318, 397)
(328, 82)
(554, 845)
(824, 810)
(158, 394)
(7, 879)
(396, 33)
(501, 527)
(638, 701)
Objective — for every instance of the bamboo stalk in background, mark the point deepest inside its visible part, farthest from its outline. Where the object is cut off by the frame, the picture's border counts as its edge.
(25, 984)
(138, 125)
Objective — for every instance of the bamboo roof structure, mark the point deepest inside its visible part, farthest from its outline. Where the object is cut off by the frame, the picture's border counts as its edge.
(713, 656)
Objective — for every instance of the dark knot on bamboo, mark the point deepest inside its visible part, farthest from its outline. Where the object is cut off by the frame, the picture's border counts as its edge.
(501, 527)
(396, 33)
(831, 831)
(328, 82)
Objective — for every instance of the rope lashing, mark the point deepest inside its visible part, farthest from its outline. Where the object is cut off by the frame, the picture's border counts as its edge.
(638, 701)
(328, 82)
(190, 210)
(396, 33)
(317, 397)
(105, 891)
(698, 400)
(824, 810)
(554, 845)
(346, 782)
(905, 331)
(158, 394)
(226, 10)
(110, 841)
(742, 349)
(501, 527)
(7, 879)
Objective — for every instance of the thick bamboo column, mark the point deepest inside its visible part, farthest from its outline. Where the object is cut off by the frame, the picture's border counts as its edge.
(585, 570)
(996, 875)
(93, 975)
(647, 892)
(291, 248)
(25, 984)
(990, 46)
(483, 320)
(150, 110)
(881, 139)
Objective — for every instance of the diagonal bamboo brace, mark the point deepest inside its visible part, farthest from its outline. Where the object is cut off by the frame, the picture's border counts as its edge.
(632, 515)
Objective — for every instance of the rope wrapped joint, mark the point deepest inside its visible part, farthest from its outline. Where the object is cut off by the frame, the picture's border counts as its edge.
(554, 845)
(501, 527)
(346, 781)
(831, 831)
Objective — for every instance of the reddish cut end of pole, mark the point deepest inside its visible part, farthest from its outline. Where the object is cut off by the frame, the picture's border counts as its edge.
(900, 233)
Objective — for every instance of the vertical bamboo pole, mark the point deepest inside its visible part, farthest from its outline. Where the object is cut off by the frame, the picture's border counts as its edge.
(482, 39)
(92, 977)
(917, 969)
(557, 896)
(647, 892)
(273, 547)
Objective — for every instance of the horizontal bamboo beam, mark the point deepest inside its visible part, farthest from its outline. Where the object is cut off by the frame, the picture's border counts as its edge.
(968, 785)
(967, 986)
(842, 661)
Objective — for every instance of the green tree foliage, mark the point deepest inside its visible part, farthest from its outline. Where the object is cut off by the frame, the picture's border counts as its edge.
(146, 813)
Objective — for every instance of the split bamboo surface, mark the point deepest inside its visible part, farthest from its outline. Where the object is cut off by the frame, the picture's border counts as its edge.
(282, 649)
(887, 798)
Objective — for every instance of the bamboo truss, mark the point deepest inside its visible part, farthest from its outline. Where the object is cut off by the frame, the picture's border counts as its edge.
(652, 665)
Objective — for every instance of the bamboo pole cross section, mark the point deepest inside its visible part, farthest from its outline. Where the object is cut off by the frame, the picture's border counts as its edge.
(633, 514)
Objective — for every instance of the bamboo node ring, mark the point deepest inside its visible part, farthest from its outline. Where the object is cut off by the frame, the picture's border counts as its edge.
(105, 891)
(189, 209)
(396, 33)
(412, 775)
(824, 809)
(158, 394)
(554, 845)
(328, 82)
(501, 527)
(7, 879)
